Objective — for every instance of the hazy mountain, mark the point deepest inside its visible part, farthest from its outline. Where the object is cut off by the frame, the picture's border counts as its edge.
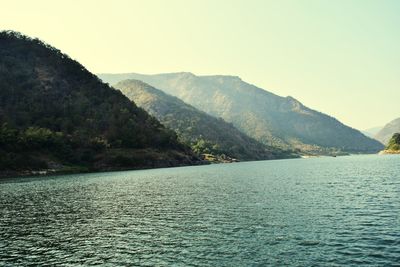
(371, 132)
(56, 114)
(268, 118)
(388, 130)
(204, 133)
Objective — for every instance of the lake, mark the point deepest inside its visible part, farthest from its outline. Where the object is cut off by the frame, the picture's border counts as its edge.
(342, 211)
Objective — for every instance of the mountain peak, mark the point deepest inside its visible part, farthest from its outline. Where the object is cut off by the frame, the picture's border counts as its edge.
(264, 116)
(67, 117)
(186, 73)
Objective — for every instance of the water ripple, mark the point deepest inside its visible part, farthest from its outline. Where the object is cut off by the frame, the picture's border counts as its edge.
(315, 212)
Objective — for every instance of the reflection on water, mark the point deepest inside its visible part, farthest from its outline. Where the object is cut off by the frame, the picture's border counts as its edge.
(303, 212)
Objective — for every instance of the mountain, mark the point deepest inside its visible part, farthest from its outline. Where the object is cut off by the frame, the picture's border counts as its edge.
(264, 116)
(394, 143)
(388, 130)
(371, 132)
(54, 114)
(204, 133)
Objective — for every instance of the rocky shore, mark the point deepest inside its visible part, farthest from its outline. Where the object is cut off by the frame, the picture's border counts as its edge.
(389, 151)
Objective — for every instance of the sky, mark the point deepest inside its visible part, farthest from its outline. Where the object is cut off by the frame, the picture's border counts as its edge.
(339, 57)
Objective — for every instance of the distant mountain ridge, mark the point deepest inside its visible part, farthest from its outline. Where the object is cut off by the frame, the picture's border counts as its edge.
(371, 132)
(386, 133)
(204, 133)
(264, 116)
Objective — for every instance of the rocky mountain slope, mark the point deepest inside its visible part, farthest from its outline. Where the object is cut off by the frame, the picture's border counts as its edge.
(264, 116)
(204, 133)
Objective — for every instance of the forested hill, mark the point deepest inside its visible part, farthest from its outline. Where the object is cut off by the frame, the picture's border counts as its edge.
(204, 133)
(394, 143)
(264, 116)
(386, 133)
(54, 114)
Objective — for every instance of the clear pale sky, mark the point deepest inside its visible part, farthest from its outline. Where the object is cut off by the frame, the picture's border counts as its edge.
(341, 57)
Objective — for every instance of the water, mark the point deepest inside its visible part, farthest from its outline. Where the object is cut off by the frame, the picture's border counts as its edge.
(305, 212)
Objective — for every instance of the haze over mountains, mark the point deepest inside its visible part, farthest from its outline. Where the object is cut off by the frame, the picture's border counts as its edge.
(371, 132)
(386, 133)
(54, 114)
(204, 133)
(271, 119)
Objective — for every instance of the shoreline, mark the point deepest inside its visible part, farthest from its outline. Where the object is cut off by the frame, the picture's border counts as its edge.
(389, 152)
(83, 170)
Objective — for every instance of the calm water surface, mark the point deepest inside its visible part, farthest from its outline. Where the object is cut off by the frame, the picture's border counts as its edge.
(305, 212)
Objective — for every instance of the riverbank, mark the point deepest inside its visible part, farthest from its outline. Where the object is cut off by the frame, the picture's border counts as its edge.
(113, 160)
(389, 152)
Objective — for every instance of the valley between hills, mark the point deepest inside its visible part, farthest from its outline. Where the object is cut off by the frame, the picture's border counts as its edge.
(57, 117)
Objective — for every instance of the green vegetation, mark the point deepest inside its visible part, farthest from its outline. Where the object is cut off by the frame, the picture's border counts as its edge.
(386, 133)
(56, 114)
(394, 143)
(204, 133)
(268, 118)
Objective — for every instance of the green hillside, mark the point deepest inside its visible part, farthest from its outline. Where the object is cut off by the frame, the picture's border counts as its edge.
(264, 116)
(204, 133)
(54, 114)
(394, 143)
(386, 133)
